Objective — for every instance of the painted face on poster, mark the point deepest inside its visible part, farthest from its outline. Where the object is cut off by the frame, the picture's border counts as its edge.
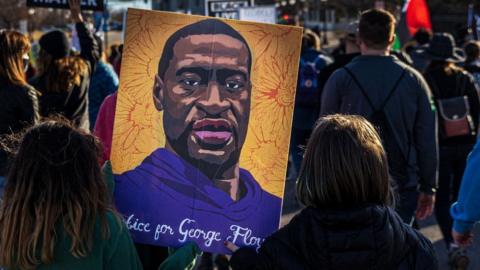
(193, 187)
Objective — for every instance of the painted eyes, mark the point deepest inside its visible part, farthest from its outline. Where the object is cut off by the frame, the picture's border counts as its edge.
(190, 82)
(234, 85)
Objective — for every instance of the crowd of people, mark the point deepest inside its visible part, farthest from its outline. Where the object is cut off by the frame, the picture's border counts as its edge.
(390, 138)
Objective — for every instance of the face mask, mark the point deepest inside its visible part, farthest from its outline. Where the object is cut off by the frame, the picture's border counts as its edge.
(26, 61)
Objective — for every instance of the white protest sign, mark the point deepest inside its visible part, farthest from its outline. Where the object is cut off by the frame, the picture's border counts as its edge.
(262, 14)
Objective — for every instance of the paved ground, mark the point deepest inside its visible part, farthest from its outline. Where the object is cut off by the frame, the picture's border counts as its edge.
(430, 229)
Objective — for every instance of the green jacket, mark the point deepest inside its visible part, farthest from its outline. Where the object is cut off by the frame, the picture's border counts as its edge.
(115, 252)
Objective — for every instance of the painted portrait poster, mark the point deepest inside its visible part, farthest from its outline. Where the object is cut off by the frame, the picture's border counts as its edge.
(202, 128)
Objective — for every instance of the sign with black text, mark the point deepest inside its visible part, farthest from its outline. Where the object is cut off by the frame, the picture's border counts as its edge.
(85, 4)
(228, 9)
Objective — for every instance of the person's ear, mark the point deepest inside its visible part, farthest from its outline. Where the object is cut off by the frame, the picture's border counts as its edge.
(391, 40)
(158, 88)
(358, 41)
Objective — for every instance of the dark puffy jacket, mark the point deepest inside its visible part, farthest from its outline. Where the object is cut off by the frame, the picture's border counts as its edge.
(409, 111)
(71, 104)
(368, 237)
(19, 110)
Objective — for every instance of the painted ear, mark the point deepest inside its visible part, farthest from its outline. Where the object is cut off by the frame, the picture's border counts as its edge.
(158, 93)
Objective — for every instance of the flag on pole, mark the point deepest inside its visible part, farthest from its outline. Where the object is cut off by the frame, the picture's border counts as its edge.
(415, 15)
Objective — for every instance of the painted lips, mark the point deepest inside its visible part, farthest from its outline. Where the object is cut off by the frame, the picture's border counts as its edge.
(213, 132)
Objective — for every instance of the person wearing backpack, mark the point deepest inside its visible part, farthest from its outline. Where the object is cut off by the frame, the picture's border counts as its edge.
(396, 99)
(307, 98)
(456, 97)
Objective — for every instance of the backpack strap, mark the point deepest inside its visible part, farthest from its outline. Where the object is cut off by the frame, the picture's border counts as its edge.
(394, 88)
(390, 94)
(355, 80)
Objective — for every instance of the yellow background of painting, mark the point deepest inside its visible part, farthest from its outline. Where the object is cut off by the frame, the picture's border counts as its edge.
(138, 128)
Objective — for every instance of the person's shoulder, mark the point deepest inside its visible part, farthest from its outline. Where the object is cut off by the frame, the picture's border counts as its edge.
(324, 59)
(339, 73)
(472, 68)
(289, 236)
(19, 91)
(412, 75)
(114, 221)
(103, 68)
(397, 63)
(463, 72)
(422, 250)
(279, 242)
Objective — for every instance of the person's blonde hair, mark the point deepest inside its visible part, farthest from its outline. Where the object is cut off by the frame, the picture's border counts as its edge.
(344, 165)
(13, 45)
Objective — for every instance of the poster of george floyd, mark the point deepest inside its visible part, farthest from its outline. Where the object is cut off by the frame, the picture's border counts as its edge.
(202, 128)
(97, 5)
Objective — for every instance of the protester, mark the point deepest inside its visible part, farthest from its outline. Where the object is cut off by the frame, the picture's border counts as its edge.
(57, 213)
(114, 54)
(103, 83)
(347, 222)
(19, 100)
(307, 99)
(466, 211)
(472, 62)
(351, 51)
(395, 98)
(456, 97)
(63, 80)
(104, 124)
(115, 58)
(422, 38)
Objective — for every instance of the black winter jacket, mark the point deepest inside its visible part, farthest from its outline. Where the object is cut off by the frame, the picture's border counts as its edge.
(409, 110)
(71, 104)
(455, 84)
(368, 237)
(19, 110)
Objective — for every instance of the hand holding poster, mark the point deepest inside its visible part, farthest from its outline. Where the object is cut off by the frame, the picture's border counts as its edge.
(85, 4)
(202, 128)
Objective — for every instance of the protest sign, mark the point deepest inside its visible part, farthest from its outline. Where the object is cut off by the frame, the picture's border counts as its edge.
(202, 128)
(85, 4)
(228, 9)
(263, 14)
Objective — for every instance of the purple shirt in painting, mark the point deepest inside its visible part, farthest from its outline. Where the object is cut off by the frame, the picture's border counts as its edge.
(166, 201)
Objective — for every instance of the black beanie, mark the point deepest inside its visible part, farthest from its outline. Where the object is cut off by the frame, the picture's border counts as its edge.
(55, 43)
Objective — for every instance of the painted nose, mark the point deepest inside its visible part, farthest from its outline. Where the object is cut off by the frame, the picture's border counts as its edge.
(212, 102)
